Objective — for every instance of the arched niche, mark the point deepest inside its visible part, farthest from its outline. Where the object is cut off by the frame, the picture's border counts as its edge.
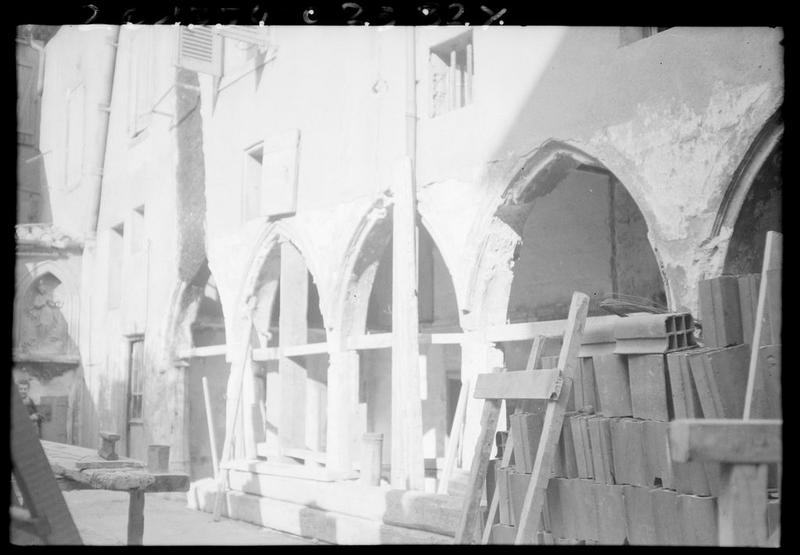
(201, 323)
(290, 390)
(753, 202)
(367, 309)
(46, 313)
(565, 223)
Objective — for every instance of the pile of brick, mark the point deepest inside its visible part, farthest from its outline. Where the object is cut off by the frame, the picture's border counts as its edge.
(613, 481)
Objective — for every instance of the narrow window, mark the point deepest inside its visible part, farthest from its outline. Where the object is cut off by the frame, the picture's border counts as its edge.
(135, 377)
(451, 68)
(115, 258)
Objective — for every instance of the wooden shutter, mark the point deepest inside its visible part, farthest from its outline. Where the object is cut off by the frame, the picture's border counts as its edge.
(27, 97)
(279, 170)
(200, 49)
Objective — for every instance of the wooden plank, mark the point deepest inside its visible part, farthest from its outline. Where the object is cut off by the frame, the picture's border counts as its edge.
(640, 518)
(453, 438)
(503, 497)
(530, 430)
(554, 488)
(502, 534)
(586, 517)
(568, 456)
(720, 378)
(739, 441)
(407, 460)
(700, 375)
(627, 437)
(611, 524)
(748, 304)
(212, 434)
(690, 478)
(517, 485)
(768, 303)
(236, 381)
(613, 386)
(568, 360)
(658, 463)
(508, 452)
(202, 352)
(589, 389)
(648, 380)
(522, 384)
(369, 341)
(40, 491)
(743, 505)
(135, 517)
(720, 312)
(766, 395)
(469, 521)
(581, 464)
(698, 519)
(534, 357)
(602, 458)
(685, 402)
(666, 517)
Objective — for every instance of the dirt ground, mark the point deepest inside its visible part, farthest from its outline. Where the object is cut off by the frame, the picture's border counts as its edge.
(102, 517)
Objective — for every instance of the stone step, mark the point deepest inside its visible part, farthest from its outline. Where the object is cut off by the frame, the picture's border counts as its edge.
(409, 509)
(310, 522)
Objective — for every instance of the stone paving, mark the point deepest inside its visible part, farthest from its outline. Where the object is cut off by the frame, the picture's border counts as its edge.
(102, 516)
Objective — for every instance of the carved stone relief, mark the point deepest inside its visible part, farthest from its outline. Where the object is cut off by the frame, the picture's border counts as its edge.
(43, 328)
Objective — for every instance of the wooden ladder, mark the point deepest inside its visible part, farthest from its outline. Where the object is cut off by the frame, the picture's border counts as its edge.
(554, 386)
(44, 516)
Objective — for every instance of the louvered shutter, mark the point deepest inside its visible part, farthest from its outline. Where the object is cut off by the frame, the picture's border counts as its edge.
(200, 49)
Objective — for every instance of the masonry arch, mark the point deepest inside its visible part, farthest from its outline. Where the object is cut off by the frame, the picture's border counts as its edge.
(199, 345)
(287, 412)
(365, 324)
(563, 223)
(752, 203)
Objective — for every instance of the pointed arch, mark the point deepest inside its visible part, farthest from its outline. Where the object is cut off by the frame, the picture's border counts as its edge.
(498, 231)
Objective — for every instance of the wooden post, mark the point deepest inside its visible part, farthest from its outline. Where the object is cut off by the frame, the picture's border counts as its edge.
(293, 331)
(743, 505)
(371, 459)
(342, 406)
(212, 434)
(768, 315)
(453, 439)
(408, 469)
(135, 517)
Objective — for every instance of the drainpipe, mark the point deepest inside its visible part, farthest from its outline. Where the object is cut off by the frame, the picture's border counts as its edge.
(95, 159)
(411, 100)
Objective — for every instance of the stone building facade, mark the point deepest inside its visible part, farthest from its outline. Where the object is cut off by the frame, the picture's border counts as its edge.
(246, 208)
